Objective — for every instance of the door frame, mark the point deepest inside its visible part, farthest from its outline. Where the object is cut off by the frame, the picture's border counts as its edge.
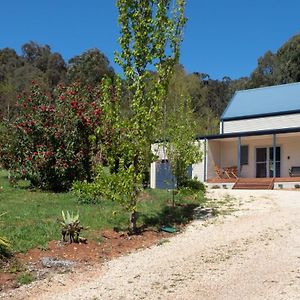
(268, 159)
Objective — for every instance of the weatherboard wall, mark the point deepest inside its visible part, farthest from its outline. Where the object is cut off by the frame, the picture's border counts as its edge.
(262, 123)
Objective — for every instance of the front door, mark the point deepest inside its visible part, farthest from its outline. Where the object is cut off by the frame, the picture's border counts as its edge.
(264, 162)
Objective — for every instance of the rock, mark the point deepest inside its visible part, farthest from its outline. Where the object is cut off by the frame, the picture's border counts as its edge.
(50, 262)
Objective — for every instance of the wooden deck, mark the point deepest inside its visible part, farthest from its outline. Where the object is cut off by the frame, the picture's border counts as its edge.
(255, 183)
(233, 180)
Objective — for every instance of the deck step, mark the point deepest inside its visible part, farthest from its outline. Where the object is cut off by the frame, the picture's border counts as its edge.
(254, 184)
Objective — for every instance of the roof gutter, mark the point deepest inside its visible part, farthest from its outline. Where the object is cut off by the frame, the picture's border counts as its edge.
(248, 133)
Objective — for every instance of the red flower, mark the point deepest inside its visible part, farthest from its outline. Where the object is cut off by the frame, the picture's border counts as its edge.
(74, 104)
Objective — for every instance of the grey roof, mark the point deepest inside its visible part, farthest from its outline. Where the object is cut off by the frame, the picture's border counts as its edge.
(264, 101)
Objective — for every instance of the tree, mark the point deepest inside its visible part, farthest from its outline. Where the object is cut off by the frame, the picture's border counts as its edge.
(181, 147)
(289, 60)
(50, 64)
(150, 37)
(9, 63)
(89, 67)
(49, 143)
(266, 72)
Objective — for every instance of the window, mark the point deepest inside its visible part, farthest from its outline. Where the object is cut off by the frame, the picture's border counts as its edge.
(244, 154)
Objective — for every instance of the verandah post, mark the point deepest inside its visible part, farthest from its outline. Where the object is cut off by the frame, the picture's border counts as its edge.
(205, 160)
(274, 155)
(239, 157)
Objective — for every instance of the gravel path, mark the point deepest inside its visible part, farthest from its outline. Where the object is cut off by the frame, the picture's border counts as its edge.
(253, 253)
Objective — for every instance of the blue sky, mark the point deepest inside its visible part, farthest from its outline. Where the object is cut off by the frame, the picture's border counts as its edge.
(222, 37)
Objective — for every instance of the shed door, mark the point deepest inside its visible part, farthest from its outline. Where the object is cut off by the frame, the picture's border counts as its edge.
(164, 177)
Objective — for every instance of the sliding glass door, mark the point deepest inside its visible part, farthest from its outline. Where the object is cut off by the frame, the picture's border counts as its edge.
(264, 162)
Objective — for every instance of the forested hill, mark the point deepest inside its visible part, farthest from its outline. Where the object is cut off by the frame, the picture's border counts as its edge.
(209, 96)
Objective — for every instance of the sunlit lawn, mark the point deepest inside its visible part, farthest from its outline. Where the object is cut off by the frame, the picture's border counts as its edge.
(32, 217)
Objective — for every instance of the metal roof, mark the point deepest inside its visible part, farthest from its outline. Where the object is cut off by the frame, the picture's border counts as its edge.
(272, 100)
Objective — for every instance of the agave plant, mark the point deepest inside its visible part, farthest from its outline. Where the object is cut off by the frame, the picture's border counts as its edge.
(5, 246)
(70, 227)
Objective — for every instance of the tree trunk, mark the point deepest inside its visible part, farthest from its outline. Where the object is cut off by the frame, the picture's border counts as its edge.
(132, 222)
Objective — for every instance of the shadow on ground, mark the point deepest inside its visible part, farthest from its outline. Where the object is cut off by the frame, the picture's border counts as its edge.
(169, 215)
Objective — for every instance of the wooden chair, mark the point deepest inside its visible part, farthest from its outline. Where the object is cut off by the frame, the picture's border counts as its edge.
(231, 172)
(219, 172)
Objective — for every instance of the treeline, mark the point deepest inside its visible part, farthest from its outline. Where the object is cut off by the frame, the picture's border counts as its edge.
(208, 96)
(39, 63)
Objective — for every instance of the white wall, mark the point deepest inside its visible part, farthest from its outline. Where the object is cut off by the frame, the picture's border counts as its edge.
(198, 168)
(290, 147)
(160, 151)
(265, 123)
(213, 157)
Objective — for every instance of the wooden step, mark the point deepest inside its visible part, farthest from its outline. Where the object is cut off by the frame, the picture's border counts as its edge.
(254, 184)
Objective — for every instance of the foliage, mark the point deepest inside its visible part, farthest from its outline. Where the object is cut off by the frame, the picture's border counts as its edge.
(181, 148)
(70, 227)
(205, 98)
(25, 278)
(51, 145)
(37, 62)
(5, 246)
(209, 96)
(89, 67)
(193, 184)
(87, 193)
(52, 65)
(150, 37)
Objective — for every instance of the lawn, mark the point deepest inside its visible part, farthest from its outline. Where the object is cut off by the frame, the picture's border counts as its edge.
(32, 217)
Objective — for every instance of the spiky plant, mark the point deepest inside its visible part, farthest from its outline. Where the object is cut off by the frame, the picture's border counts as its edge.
(5, 246)
(70, 227)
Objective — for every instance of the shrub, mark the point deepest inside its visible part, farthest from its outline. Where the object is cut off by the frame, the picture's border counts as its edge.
(70, 227)
(51, 145)
(87, 193)
(5, 247)
(193, 184)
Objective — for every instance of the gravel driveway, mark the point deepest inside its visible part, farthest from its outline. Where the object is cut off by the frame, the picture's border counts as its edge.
(253, 253)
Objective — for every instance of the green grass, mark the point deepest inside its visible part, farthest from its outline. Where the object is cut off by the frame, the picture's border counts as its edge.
(25, 278)
(32, 216)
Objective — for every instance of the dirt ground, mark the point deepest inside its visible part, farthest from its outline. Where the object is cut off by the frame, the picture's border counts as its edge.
(62, 257)
(251, 253)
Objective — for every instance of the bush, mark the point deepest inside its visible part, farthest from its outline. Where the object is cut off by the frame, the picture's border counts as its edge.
(87, 193)
(51, 145)
(5, 246)
(193, 184)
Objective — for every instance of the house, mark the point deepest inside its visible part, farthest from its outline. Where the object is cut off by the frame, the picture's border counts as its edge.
(258, 145)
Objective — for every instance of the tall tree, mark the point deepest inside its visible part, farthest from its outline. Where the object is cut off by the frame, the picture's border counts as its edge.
(151, 32)
(51, 64)
(289, 60)
(9, 63)
(89, 67)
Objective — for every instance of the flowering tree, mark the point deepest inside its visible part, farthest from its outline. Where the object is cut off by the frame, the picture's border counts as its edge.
(51, 145)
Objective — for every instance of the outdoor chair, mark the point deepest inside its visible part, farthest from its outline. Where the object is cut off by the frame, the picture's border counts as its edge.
(231, 172)
(219, 172)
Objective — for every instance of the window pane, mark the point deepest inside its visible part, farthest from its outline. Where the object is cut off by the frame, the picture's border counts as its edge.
(244, 155)
(261, 154)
